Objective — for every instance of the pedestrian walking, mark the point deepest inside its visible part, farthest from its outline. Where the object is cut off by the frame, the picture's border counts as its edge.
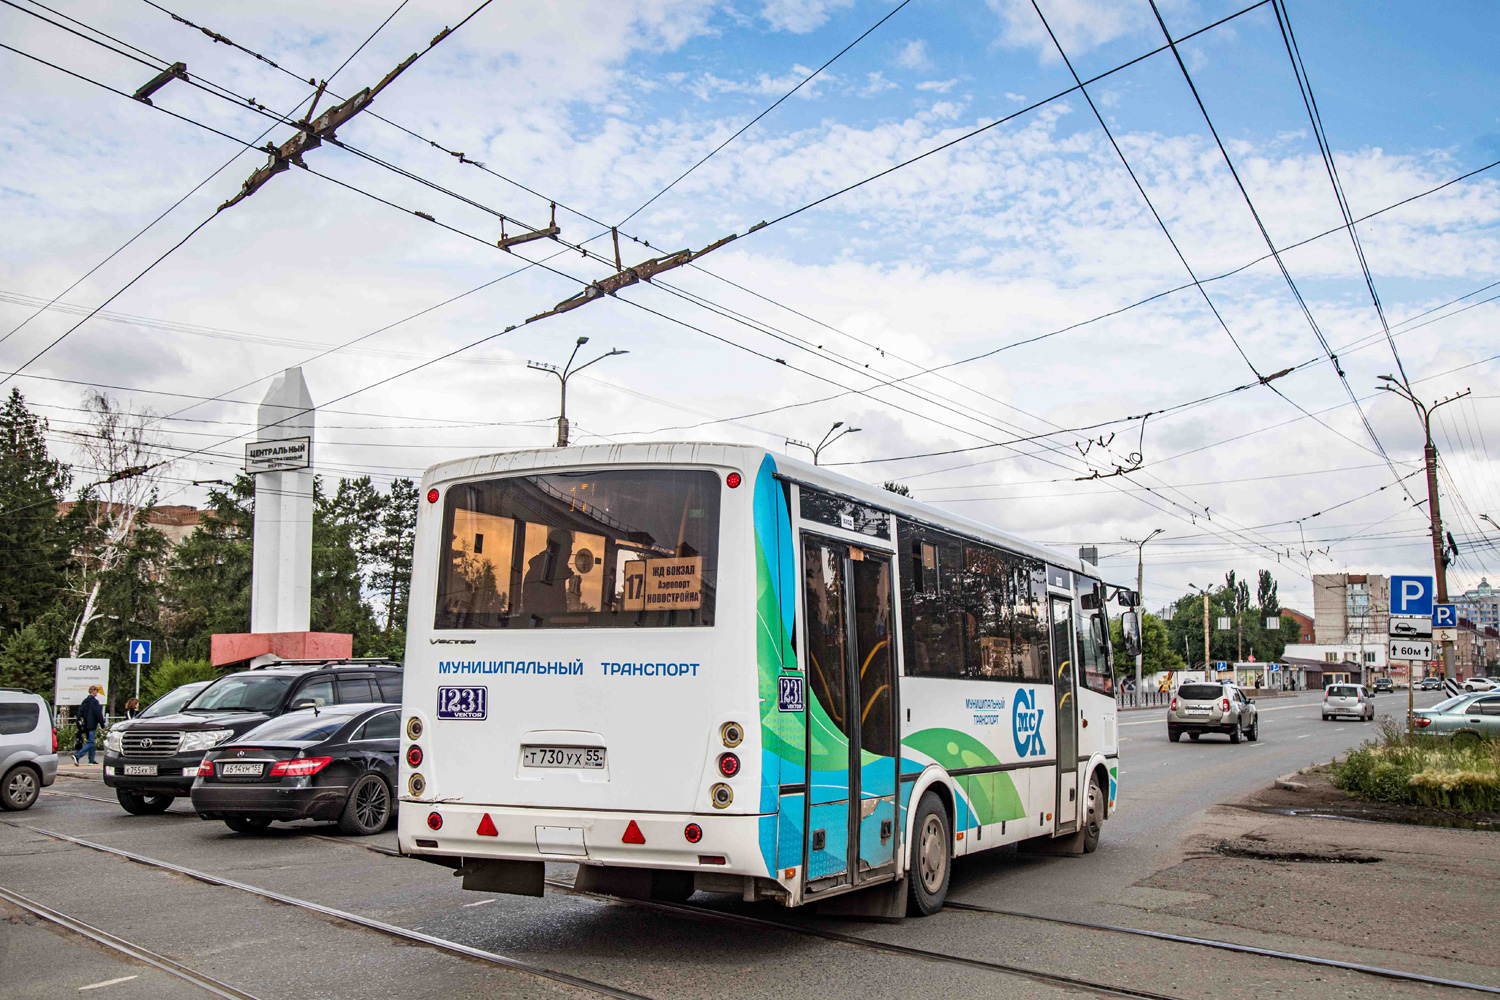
(90, 718)
(132, 707)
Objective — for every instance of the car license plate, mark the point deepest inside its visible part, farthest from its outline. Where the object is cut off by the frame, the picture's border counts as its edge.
(241, 769)
(148, 770)
(588, 758)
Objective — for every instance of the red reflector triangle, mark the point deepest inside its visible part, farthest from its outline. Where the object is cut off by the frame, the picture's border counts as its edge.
(487, 827)
(633, 835)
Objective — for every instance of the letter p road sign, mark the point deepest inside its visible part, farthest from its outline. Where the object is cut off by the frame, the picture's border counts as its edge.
(1411, 595)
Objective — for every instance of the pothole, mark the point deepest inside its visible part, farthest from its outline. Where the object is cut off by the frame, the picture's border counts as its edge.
(1233, 850)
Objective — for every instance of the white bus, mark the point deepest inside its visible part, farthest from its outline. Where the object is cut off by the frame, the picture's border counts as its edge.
(704, 666)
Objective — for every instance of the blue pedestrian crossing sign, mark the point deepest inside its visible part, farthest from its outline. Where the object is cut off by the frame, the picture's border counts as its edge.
(1444, 616)
(140, 651)
(1411, 595)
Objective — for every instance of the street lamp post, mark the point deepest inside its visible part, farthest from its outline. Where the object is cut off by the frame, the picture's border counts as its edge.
(1140, 584)
(563, 374)
(828, 439)
(1429, 454)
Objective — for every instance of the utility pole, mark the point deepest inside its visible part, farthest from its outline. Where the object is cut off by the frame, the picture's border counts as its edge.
(563, 374)
(1434, 514)
(1140, 585)
(1206, 603)
(828, 439)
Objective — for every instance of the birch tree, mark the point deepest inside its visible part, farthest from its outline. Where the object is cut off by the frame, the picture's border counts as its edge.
(122, 456)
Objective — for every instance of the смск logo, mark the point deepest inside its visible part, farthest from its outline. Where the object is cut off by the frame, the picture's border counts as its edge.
(1026, 722)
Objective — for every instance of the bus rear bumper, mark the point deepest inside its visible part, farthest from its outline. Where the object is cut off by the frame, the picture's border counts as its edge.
(727, 844)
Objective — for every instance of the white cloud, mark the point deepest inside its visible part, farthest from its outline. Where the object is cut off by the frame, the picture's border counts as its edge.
(914, 55)
(941, 86)
(876, 83)
(800, 16)
(1080, 25)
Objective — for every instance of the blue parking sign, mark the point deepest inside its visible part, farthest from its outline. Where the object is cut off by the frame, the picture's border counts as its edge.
(1444, 616)
(1411, 595)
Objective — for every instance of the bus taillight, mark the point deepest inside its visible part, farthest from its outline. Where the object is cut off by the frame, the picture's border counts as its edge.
(722, 795)
(414, 755)
(732, 480)
(434, 821)
(732, 733)
(729, 765)
(693, 832)
(414, 728)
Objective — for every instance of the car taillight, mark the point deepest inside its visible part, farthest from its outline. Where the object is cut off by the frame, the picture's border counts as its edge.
(300, 768)
(1422, 723)
(54, 741)
(206, 769)
(1174, 704)
(1224, 705)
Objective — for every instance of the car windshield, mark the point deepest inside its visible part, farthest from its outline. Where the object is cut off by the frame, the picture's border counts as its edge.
(298, 727)
(171, 703)
(1343, 691)
(242, 693)
(1200, 692)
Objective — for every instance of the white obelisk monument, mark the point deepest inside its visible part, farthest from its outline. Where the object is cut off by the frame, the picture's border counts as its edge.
(281, 585)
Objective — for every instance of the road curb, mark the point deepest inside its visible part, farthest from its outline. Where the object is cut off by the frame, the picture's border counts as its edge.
(1289, 782)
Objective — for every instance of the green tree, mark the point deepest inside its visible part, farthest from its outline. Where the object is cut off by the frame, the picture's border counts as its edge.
(1157, 653)
(900, 489)
(32, 484)
(27, 662)
(171, 674)
(207, 585)
(398, 532)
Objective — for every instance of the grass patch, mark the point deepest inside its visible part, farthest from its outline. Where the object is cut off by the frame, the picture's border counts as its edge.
(1422, 771)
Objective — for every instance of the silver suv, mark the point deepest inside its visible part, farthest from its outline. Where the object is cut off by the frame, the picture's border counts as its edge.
(28, 748)
(1212, 707)
(1348, 699)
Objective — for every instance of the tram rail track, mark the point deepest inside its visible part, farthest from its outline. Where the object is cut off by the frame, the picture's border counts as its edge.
(358, 920)
(853, 940)
(130, 949)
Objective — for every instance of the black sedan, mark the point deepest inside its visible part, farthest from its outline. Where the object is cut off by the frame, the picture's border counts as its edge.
(334, 764)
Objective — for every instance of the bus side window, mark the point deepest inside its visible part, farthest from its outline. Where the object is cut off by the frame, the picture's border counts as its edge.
(934, 606)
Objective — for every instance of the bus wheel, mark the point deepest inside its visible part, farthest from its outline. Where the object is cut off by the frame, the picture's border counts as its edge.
(1093, 817)
(932, 857)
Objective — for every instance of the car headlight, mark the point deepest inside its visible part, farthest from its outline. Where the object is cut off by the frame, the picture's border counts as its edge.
(204, 740)
(113, 740)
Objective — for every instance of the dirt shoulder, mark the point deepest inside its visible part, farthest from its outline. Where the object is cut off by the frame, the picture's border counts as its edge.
(1316, 865)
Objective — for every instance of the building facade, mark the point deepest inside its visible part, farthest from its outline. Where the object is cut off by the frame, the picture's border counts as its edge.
(1351, 609)
(1305, 624)
(1480, 605)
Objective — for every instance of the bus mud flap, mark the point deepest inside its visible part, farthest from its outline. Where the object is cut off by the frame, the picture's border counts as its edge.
(519, 878)
(634, 883)
(886, 901)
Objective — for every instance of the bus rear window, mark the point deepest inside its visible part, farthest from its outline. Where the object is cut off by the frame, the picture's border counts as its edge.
(581, 550)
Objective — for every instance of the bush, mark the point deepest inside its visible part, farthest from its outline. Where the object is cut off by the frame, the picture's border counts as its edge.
(1423, 771)
(172, 674)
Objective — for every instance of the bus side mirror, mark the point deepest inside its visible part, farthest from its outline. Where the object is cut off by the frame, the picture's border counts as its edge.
(1130, 626)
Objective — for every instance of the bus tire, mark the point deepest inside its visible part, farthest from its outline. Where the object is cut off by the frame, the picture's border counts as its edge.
(1093, 815)
(931, 857)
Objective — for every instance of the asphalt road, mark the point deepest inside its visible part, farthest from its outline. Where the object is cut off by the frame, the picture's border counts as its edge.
(269, 950)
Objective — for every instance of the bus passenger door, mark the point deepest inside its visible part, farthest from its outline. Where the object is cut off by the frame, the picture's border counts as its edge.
(1065, 684)
(851, 722)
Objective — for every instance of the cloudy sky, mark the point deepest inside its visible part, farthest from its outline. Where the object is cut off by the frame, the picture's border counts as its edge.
(1022, 262)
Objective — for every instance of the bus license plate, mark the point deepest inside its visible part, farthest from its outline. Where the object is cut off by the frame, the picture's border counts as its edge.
(580, 757)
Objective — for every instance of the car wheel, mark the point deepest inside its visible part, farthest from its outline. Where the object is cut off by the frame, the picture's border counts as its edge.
(1326, 716)
(142, 803)
(1234, 734)
(1466, 738)
(1174, 735)
(1254, 732)
(932, 858)
(246, 824)
(368, 808)
(1093, 817)
(20, 788)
